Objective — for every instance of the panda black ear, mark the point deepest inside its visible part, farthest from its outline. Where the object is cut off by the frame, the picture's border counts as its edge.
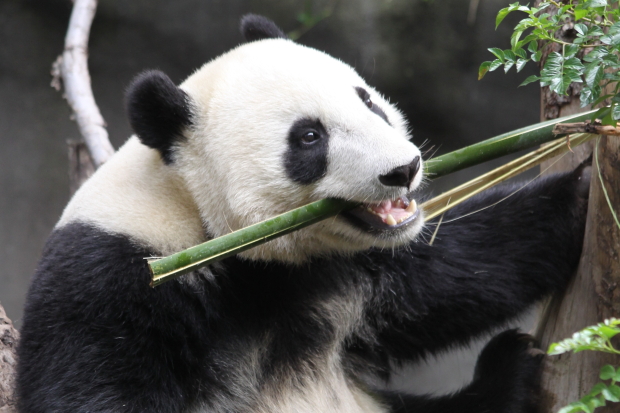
(158, 111)
(255, 27)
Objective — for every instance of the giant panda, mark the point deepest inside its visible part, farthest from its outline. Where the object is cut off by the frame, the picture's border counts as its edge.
(315, 320)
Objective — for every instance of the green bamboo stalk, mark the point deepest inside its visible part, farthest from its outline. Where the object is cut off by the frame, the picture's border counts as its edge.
(501, 145)
(172, 266)
(175, 265)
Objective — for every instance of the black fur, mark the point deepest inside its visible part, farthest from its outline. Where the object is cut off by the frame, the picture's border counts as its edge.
(255, 27)
(365, 96)
(158, 111)
(401, 175)
(306, 162)
(506, 380)
(97, 338)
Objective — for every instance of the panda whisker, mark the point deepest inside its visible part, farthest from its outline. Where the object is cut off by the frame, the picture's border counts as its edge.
(227, 224)
(334, 218)
(436, 229)
(426, 141)
(434, 152)
(431, 149)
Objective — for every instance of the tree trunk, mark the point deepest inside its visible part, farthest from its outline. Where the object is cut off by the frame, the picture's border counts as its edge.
(593, 295)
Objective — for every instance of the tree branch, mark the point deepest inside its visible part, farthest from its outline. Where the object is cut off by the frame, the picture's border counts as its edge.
(596, 128)
(72, 65)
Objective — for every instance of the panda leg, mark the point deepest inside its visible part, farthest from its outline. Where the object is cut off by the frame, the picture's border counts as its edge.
(506, 379)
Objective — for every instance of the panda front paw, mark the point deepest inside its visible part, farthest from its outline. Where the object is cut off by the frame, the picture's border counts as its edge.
(507, 375)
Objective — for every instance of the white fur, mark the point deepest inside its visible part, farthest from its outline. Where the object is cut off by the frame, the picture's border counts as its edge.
(246, 101)
(135, 194)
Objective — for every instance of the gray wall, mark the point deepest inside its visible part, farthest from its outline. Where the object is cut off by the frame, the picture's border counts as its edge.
(421, 54)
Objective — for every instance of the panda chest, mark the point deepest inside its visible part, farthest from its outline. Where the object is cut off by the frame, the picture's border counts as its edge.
(302, 382)
(289, 346)
(333, 393)
(292, 313)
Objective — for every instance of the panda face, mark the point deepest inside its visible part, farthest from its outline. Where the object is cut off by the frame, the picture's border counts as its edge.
(276, 125)
(273, 125)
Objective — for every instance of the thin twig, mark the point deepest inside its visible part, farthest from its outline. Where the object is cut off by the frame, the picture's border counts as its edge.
(73, 68)
(596, 128)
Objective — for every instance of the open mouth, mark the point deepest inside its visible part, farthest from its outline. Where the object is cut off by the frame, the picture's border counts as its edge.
(388, 215)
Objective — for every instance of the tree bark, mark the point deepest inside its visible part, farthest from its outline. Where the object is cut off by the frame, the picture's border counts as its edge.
(72, 65)
(8, 343)
(593, 295)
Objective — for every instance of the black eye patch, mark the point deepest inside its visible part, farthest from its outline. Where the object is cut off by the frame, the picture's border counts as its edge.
(363, 94)
(305, 160)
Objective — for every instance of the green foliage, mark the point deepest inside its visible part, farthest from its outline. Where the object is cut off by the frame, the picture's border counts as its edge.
(308, 18)
(594, 338)
(591, 58)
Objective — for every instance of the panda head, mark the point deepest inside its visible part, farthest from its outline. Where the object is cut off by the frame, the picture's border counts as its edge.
(273, 125)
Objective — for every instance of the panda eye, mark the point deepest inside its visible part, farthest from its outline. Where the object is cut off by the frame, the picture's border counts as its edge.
(310, 137)
(364, 96)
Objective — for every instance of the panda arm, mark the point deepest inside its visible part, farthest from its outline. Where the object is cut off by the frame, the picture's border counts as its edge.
(97, 338)
(483, 268)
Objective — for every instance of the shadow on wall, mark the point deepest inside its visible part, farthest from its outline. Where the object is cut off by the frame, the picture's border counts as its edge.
(422, 55)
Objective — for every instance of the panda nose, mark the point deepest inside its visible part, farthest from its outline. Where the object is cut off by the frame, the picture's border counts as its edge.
(401, 175)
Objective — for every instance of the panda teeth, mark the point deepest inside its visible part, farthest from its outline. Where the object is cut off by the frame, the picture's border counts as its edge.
(412, 207)
(381, 210)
